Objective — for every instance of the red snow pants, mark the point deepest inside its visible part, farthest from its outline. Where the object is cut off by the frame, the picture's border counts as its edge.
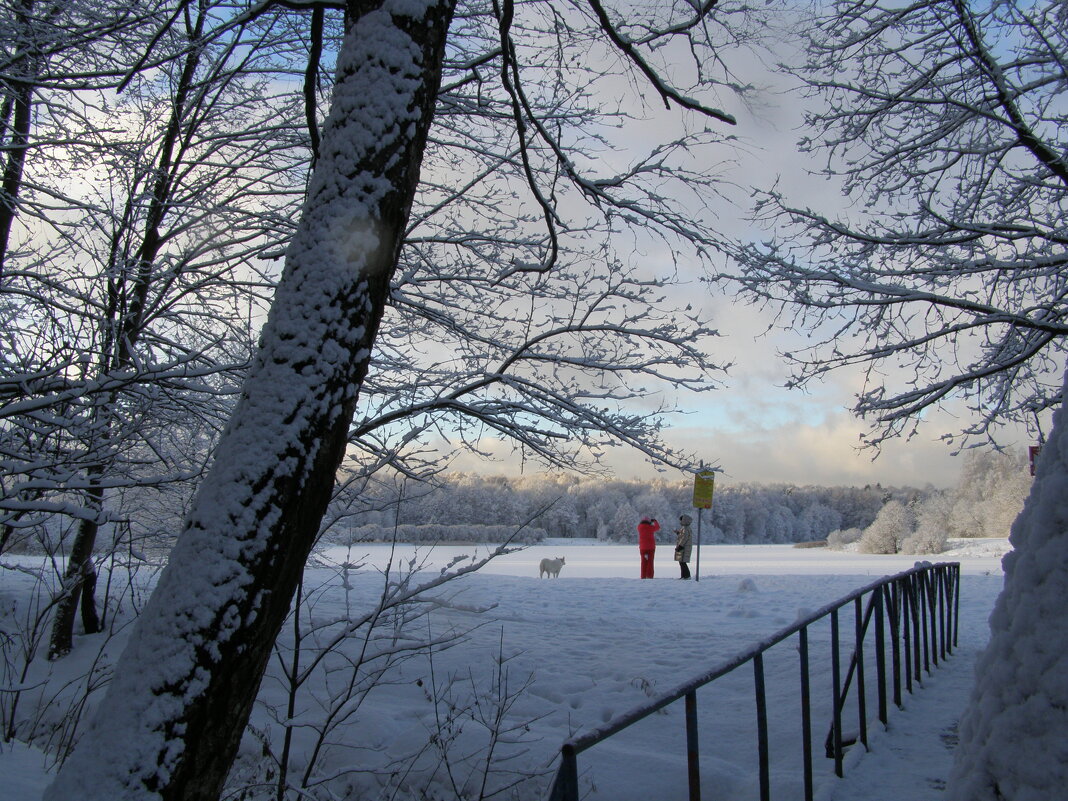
(647, 562)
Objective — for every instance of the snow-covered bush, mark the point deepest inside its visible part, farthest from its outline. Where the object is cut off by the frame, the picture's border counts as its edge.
(839, 539)
(925, 540)
(889, 530)
(1014, 729)
(932, 526)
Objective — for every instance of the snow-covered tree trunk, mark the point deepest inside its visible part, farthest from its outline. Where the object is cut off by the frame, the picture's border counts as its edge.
(1014, 733)
(175, 711)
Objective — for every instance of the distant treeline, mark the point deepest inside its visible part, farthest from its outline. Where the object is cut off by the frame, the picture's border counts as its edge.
(569, 506)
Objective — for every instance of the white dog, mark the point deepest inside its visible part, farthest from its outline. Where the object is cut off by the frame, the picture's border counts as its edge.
(551, 567)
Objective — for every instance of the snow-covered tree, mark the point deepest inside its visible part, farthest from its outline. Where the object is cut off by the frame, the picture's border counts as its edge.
(781, 526)
(728, 513)
(129, 248)
(182, 691)
(944, 124)
(189, 675)
(947, 127)
(890, 528)
(164, 263)
(584, 505)
(817, 521)
(932, 526)
(989, 494)
(624, 523)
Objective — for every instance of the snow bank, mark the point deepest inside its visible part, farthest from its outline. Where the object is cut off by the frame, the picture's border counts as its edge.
(1014, 737)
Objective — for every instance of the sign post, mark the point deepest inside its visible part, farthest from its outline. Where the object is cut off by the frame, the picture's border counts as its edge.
(1032, 456)
(704, 484)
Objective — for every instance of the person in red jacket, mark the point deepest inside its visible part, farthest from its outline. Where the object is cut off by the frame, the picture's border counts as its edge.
(647, 544)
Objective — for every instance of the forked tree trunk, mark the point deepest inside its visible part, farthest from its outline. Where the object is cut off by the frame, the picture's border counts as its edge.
(79, 584)
(174, 714)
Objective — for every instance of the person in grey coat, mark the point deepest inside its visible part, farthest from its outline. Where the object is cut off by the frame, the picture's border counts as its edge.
(683, 545)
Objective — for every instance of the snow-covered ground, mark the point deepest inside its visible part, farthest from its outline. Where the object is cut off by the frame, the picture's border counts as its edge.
(588, 646)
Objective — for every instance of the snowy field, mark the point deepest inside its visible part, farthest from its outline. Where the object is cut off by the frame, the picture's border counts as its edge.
(577, 651)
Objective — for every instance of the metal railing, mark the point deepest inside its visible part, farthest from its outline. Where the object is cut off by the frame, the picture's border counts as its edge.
(919, 606)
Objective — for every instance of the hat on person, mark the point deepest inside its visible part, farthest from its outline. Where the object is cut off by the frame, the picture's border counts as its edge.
(645, 518)
(685, 519)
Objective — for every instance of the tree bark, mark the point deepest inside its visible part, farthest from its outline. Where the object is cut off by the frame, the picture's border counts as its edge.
(174, 714)
(90, 617)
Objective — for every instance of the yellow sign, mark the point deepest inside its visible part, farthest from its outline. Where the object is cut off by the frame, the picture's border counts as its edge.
(703, 485)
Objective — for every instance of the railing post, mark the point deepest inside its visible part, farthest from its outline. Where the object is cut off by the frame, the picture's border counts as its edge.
(858, 650)
(836, 683)
(693, 759)
(916, 610)
(940, 577)
(925, 602)
(880, 654)
(956, 601)
(762, 727)
(565, 788)
(906, 627)
(951, 608)
(806, 711)
(932, 604)
(895, 638)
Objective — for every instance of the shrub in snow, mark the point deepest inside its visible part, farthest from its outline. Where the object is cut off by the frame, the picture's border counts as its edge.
(889, 529)
(925, 540)
(932, 527)
(1014, 733)
(838, 540)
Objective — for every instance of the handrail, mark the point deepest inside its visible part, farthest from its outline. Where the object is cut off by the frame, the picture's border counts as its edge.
(921, 605)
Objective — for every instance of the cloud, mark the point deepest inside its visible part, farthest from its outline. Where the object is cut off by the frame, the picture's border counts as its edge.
(825, 452)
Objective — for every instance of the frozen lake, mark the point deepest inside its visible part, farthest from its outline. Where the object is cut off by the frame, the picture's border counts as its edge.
(590, 559)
